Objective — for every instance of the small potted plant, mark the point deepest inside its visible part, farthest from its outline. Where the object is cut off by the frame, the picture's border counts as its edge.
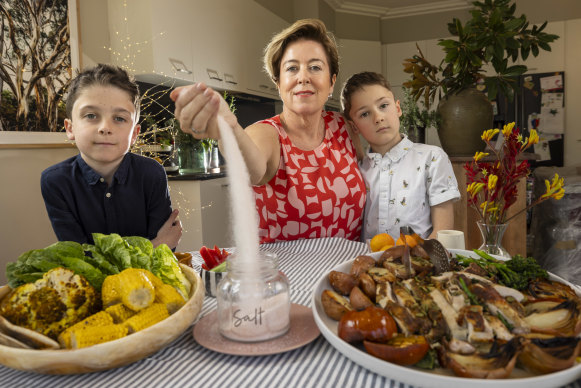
(493, 36)
(415, 119)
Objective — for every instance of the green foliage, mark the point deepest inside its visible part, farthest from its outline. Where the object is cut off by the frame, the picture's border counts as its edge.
(493, 36)
(110, 254)
(515, 273)
(414, 115)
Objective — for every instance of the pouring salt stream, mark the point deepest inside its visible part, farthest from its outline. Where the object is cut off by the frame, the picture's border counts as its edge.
(253, 299)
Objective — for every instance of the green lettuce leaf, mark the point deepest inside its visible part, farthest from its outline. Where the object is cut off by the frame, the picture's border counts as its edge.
(97, 259)
(114, 248)
(140, 242)
(165, 266)
(81, 267)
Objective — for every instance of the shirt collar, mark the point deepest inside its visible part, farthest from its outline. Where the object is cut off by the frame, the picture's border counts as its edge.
(394, 154)
(92, 177)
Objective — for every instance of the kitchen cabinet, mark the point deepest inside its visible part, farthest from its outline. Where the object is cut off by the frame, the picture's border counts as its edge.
(152, 39)
(217, 31)
(204, 207)
(258, 36)
(178, 42)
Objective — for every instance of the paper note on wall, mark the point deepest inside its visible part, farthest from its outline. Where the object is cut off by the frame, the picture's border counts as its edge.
(554, 82)
(552, 120)
(552, 100)
(542, 150)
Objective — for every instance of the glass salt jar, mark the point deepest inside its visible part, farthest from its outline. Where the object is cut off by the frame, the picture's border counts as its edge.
(253, 300)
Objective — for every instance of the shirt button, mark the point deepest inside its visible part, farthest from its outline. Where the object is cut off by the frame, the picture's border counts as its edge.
(108, 195)
(102, 179)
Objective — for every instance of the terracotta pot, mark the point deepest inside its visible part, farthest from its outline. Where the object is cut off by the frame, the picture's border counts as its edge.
(464, 117)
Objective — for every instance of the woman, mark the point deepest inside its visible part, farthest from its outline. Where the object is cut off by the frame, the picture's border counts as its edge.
(302, 162)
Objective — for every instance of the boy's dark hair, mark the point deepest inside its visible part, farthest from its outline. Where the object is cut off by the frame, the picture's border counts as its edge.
(103, 75)
(357, 82)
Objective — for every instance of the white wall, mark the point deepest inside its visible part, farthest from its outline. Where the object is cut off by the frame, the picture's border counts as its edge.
(25, 224)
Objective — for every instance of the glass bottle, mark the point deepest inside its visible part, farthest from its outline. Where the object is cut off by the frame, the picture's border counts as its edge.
(253, 300)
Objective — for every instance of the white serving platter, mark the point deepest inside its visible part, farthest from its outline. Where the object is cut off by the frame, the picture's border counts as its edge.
(439, 378)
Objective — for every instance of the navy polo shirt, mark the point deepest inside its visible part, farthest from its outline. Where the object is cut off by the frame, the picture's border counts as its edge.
(79, 202)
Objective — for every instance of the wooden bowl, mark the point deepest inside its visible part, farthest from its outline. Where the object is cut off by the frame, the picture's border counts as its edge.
(113, 354)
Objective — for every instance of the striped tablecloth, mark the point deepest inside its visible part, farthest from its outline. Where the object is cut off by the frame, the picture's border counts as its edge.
(184, 363)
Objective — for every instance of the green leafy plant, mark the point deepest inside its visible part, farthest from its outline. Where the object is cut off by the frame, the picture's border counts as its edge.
(492, 36)
(414, 115)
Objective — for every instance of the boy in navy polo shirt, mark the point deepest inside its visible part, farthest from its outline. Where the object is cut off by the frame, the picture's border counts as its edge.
(107, 189)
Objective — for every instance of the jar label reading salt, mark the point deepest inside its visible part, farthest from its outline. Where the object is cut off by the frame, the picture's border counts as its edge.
(256, 318)
(269, 318)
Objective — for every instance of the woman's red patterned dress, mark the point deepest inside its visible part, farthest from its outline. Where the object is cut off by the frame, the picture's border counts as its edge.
(318, 193)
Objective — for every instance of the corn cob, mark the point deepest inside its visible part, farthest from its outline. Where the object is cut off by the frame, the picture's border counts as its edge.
(147, 317)
(99, 319)
(136, 289)
(110, 291)
(120, 312)
(96, 335)
(170, 297)
(153, 279)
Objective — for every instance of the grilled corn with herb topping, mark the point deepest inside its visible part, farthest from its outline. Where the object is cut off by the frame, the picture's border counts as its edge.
(157, 312)
(94, 335)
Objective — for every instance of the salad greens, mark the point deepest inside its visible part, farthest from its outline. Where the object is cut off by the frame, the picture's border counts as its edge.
(109, 255)
(31, 265)
(165, 266)
(515, 273)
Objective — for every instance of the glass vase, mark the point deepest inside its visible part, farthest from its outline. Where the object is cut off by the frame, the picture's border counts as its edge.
(193, 157)
(492, 239)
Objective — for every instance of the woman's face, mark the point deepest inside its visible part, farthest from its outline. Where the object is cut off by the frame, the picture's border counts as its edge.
(305, 79)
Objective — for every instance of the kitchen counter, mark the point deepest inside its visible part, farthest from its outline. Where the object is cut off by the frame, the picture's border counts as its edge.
(198, 176)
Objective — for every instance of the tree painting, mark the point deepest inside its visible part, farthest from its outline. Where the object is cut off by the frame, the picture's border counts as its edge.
(36, 64)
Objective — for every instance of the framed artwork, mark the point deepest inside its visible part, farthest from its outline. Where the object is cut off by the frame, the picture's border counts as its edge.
(39, 46)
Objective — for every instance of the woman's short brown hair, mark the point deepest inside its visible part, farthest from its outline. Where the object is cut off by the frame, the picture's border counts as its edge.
(310, 29)
(357, 82)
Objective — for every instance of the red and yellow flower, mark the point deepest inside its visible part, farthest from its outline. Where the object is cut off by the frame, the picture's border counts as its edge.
(492, 186)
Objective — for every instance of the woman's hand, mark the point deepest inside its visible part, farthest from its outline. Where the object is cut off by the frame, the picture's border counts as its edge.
(197, 108)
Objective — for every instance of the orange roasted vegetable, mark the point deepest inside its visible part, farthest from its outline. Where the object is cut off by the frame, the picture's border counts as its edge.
(373, 324)
(400, 349)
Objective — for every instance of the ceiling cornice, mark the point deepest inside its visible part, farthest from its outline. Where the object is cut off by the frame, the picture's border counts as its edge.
(353, 7)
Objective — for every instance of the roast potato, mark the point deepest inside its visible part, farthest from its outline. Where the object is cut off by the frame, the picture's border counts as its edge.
(341, 282)
(359, 300)
(367, 285)
(361, 264)
(335, 305)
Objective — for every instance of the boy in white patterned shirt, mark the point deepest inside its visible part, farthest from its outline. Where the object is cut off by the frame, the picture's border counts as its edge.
(408, 184)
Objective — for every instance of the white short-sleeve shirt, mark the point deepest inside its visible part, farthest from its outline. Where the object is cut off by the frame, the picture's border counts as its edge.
(402, 185)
